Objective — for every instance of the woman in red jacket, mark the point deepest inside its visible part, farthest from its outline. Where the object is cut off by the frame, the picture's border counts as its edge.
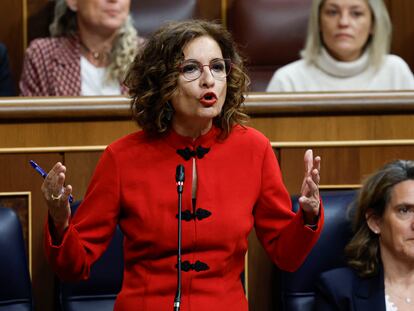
(187, 88)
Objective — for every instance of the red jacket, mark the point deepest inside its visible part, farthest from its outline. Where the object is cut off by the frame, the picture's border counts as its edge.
(239, 185)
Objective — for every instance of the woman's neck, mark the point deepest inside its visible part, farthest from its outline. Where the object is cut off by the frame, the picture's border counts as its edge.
(398, 272)
(96, 46)
(350, 57)
(191, 128)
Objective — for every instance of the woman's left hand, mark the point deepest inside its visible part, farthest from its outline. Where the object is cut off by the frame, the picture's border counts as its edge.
(309, 199)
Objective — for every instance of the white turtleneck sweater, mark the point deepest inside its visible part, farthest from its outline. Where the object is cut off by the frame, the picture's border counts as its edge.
(328, 74)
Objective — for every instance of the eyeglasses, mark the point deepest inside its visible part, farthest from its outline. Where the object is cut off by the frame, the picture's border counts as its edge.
(192, 69)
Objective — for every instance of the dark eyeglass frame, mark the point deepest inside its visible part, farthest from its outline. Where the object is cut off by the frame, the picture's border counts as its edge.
(227, 63)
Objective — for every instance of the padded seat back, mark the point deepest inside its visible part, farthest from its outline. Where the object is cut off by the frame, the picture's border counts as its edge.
(297, 288)
(99, 292)
(149, 15)
(15, 284)
(270, 32)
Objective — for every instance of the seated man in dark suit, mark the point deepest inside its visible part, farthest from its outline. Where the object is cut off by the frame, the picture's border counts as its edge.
(381, 253)
(6, 81)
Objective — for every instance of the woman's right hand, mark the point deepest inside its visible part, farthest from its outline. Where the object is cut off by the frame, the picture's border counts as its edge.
(56, 196)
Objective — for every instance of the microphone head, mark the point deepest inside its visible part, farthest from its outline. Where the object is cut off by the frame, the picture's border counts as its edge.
(179, 173)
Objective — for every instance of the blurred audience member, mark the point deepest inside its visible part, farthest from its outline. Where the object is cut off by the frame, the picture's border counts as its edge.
(6, 81)
(93, 42)
(381, 253)
(346, 49)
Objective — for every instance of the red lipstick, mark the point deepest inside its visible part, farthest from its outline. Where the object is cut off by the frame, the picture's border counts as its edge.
(208, 99)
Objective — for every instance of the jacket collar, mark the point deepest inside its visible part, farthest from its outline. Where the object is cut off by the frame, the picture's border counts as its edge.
(370, 293)
(68, 53)
(177, 141)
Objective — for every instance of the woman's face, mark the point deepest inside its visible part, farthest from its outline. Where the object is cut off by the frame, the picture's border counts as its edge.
(105, 16)
(345, 27)
(197, 102)
(396, 226)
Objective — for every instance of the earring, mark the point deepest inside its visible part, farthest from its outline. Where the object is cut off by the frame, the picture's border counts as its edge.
(72, 6)
(169, 111)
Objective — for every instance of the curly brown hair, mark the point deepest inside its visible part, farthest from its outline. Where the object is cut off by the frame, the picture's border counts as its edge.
(363, 250)
(153, 76)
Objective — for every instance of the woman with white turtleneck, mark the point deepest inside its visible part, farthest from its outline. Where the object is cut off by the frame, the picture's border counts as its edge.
(346, 49)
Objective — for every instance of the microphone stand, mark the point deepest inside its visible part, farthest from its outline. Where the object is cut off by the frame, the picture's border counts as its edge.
(179, 178)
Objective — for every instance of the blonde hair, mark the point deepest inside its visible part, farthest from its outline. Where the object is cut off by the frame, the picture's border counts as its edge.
(378, 43)
(125, 45)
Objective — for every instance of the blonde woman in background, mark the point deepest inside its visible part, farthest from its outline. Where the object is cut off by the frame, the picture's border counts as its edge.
(92, 44)
(346, 48)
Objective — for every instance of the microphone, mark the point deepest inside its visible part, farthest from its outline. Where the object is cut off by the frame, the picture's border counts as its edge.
(179, 178)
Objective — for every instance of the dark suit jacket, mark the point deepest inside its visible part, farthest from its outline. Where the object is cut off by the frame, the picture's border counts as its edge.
(6, 81)
(342, 289)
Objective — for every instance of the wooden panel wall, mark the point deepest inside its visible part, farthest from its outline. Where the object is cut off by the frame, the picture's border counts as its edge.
(64, 133)
(80, 167)
(210, 9)
(39, 16)
(328, 128)
(403, 29)
(345, 165)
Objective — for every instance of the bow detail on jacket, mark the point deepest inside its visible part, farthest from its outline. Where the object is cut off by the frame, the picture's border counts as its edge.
(197, 266)
(200, 214)
(187, 153)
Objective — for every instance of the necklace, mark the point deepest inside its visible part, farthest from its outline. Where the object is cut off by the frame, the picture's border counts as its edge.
(95, 54)
(406, 299)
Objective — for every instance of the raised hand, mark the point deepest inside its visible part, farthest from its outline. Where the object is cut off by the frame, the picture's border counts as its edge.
(56, 196)
(309, 199)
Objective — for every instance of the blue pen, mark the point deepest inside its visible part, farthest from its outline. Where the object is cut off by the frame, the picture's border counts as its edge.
(43, 174)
